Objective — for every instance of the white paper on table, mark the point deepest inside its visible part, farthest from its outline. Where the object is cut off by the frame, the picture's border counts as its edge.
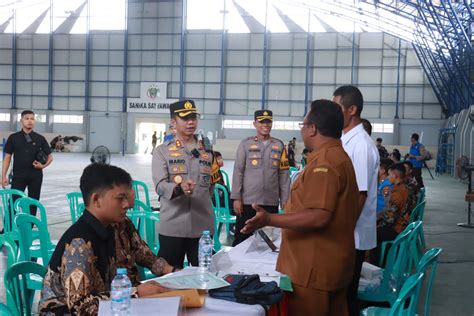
(169, 306)
(195, 280)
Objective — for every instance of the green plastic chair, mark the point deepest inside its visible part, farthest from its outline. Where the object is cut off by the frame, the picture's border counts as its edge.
(417, 214)
(141, 193)
(222, 212)
(215, 238)
(76, 205)
(7, 212)
(429, 261)
(12, 258)
(417, 249)
(226, 179)
(29, 251)
(145, 221)
(421, 195)
(24, 204)
(5, 311)
(397, 268)
(412, 250)
(18, 286)
(12, 250)
(293, 170)
(406, 302)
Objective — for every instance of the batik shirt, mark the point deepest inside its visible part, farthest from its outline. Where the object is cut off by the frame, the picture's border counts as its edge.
(393, 215)
(84, 264)
(413, 190)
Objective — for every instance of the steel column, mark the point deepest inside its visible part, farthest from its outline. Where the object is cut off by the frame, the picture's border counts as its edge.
(88, 58)
(14, 40)
(50, 56)
(265, 61)
(125, 61)
(181, 50)
(308, 69)
(222, 68)
(397, 102)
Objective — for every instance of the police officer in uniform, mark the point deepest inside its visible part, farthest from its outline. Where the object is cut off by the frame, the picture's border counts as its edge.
(184, 170)
(261, 173)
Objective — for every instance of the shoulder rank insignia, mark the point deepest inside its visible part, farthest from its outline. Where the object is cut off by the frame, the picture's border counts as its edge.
(320, 169)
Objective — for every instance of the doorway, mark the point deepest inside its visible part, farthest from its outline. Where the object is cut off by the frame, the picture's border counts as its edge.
(145, 131)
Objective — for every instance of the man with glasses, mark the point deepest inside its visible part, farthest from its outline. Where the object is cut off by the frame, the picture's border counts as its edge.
(184, 170)
(31, 153)
(261, 174)
(317, 248)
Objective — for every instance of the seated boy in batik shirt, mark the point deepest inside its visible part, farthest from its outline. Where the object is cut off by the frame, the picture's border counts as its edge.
(87, 256)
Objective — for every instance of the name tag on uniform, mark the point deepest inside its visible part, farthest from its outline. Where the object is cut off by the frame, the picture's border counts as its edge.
(176, 161)
(320, 169)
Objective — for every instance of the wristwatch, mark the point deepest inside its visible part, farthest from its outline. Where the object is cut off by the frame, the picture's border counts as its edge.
(178, 190)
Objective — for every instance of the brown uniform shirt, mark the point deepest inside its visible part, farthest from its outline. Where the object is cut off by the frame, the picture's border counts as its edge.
(323, 259)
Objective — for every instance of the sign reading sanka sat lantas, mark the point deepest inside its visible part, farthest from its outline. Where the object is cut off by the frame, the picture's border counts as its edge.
(153, 99)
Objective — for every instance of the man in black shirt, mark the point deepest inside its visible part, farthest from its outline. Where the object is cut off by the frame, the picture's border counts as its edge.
(103, 239)
(25, 147)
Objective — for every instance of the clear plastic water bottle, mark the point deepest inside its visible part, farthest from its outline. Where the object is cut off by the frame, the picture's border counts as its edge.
(120, 293)
(205, 251)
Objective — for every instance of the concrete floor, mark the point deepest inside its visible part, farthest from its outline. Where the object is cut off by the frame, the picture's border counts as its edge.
(453, 290)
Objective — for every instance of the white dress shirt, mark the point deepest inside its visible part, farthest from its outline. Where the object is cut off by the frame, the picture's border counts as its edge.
(365, 158)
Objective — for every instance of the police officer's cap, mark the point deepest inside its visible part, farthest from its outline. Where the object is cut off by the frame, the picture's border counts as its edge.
(263, 115)
(183, 108)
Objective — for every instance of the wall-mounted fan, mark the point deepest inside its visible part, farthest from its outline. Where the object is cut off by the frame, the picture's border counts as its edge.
(101, 154)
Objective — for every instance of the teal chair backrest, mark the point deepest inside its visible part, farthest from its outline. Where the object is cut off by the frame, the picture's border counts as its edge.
(222, 210)
(7, 207)
(26, 224)
(398, 264)
(293, 170)
(16, 280)
(407, 300)
(145, 220)
(23, 205)
(76, 205)
(12, 250)
(5, 311)
(226, 179)
(421, 195)
(418, 212)
(141, 192)
(429, 261)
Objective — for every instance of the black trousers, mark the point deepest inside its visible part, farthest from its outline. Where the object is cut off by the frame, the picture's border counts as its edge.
(247, 213)
(383, 234)
(33, 183)
(173, 249)
(418, 176)
(352, 301)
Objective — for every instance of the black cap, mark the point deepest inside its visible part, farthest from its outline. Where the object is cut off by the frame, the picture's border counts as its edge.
(183, 108)
(262, 115)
